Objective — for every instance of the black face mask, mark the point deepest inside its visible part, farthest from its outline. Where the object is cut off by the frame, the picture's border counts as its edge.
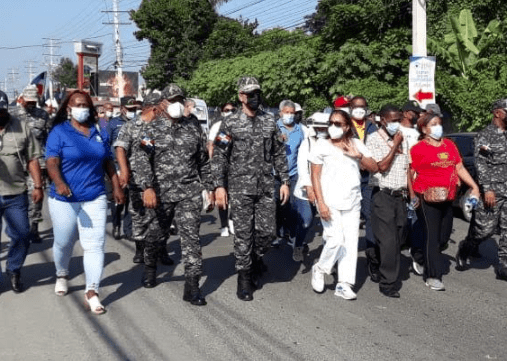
(4, 119)
(254, 101)
(414, 119)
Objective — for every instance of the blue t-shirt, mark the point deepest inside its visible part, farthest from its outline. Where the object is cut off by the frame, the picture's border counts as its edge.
(81, 161)
(294, 138)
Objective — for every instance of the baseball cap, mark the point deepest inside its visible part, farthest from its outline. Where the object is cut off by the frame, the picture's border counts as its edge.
(30, 93)
(127, 101)
(248, 84)
(298, 107)
(434, 109)
(4, 100)
(500, 104)
(412, 105)
(172, 91)
(341, 102)
(319, 120)
(152, 97)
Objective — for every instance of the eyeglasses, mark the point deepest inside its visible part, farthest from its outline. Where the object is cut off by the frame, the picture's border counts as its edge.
(338, 124)
(229, 110)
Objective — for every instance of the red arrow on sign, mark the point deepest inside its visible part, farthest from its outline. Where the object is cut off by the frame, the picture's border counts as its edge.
(420, 95)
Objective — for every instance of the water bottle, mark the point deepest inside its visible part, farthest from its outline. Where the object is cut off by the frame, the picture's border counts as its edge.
(471, 203)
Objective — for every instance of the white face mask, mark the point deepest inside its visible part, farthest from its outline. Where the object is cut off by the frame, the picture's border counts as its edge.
(109, 114)
(322, 134)
(392, 128)
(358, 113)
(288, 119)
(81, 115)
(437, 131)
(226, 114)
(335, 132)
(175, 110)
(138, 112)
(130, 115)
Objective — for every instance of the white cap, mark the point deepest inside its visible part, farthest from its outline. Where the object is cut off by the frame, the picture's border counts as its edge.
(318, 120)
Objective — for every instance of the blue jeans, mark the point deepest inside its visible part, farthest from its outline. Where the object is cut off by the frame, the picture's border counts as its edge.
(15, 211)
(89, 219)
(305, 213)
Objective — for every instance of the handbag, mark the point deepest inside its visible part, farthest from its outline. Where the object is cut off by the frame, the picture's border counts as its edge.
(436, 194)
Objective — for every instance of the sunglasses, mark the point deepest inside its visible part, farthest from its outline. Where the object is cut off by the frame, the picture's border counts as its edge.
(338, 124)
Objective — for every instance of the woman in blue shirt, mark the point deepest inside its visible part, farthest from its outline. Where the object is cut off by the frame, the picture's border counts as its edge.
(78, 154)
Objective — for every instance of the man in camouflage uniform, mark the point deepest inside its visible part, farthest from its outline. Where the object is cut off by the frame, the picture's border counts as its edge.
(37, 120)
(130, 139)
(174, 178)
(491, 212)
(248, 147)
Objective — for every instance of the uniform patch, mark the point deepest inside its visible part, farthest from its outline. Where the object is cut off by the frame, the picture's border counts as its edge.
(222, 140)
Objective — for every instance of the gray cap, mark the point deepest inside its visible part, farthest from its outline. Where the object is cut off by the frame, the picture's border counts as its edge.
(500, 104)
(172, 91)
(152, 97)
(248, 84)
(30, 93)
(434, 109)
(4, 100)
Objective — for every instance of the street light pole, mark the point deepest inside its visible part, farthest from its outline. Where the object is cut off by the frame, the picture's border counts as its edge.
(419, 28)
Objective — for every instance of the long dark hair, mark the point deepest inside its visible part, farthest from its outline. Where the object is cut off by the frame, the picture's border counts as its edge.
(349, 133)
(62, 115)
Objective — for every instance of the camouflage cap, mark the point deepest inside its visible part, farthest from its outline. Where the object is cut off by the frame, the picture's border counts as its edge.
(4, 101)
(500, 104)
(30, 93)
(152, 97)
(172, 91)
(248, 84)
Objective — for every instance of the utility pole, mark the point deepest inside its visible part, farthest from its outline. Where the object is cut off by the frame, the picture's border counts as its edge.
(119, 51)
(419, 28)
(13, 73)
(50, 62)
(30, 69)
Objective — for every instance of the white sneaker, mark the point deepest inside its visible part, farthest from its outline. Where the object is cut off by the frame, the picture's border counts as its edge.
(224, 232)
(418, 268)
(318, 283)
(231, 226)
(343, 290)
(297, 254)
(61, 287)
(435, 284)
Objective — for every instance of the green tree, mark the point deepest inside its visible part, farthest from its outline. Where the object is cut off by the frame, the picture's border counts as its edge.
(177, 31)
(66, 73)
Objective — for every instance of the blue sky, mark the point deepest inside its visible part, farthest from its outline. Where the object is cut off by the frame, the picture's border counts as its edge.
(25, 24)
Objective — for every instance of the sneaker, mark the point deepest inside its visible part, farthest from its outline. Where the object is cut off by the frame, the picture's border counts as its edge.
(418, 269)
(224, 232)
(297, 254)
(231, 226)
(435, 284)
(343, 290)
(318, 283)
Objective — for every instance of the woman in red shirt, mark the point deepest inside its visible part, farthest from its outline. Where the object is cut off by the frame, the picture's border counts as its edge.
(436, 169)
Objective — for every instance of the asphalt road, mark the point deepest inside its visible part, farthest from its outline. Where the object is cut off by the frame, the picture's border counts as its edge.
(285, 321)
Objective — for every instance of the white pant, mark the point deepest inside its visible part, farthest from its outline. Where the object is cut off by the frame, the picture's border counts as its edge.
(342, 235)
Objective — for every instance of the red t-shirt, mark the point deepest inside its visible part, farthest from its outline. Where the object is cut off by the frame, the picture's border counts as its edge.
(435, 166)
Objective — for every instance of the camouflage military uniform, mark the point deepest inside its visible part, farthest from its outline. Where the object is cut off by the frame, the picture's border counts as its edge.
(246, 152)
(129, 138)
(179, 171)
(492, 176)
(37, 120)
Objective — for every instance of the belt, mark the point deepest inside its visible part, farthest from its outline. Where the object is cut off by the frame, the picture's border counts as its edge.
(395, 192)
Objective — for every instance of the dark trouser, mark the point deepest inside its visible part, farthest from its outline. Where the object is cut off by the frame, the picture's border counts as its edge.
(366, 204)
(417, 239)
(389, 219)
(485, 222)
(119, 211)
(14, 209)
(34, 209)
(286, 214)
(305, 213)
(224, 217)
(187, 213)
(437, 220)
(254, 226)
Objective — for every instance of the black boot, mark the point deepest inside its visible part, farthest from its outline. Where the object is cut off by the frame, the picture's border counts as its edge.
(192, 293)
(501, 272)
(34, 233)
(116, 232)
(150, 265)
(245, 287)
(139, 256)
(464, 251)
(163, 257)
(258, 269)
(16, 284)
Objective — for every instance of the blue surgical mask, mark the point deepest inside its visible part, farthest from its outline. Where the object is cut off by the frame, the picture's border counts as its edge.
(437, 131)
(288, 119)
(81, 115)
(392, 128)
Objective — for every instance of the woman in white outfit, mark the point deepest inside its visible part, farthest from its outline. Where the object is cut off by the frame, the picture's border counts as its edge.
(335, 165)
